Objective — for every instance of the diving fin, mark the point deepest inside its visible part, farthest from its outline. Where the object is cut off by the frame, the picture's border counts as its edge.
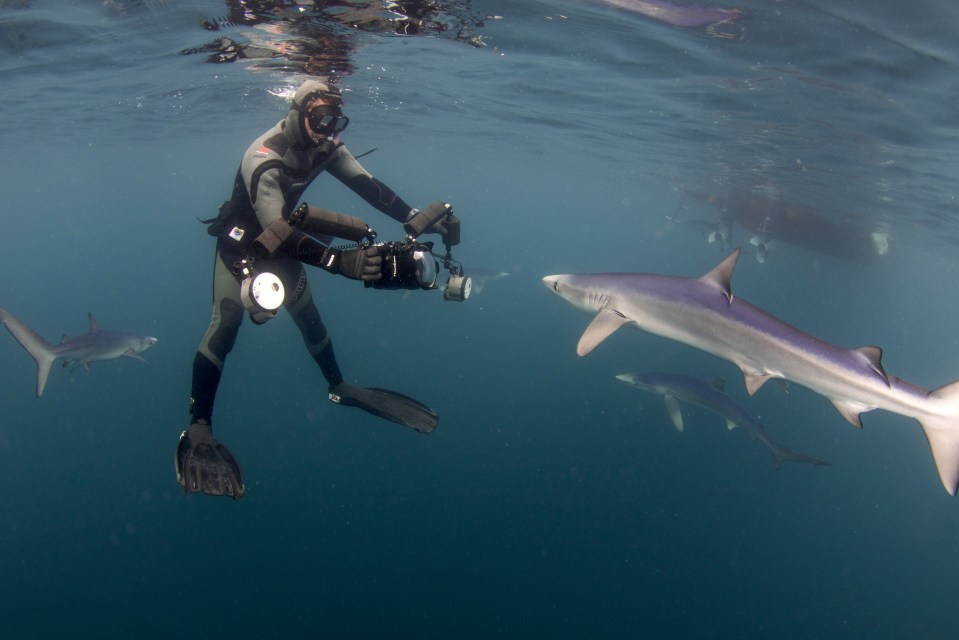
(388, 405)
(206, 466)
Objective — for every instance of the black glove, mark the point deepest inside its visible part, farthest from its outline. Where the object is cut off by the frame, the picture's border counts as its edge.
(437, 218)
(361, 263)
(449, 228)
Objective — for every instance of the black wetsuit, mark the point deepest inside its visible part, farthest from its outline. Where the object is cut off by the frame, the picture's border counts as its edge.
(275, 171)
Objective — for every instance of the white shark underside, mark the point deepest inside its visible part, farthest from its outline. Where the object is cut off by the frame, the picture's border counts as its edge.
(703, 313)
(92, 346)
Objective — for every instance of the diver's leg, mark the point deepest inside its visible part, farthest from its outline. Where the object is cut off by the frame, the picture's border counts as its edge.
(307, 318)
(202, 463)
(217, 342)
(388, 405)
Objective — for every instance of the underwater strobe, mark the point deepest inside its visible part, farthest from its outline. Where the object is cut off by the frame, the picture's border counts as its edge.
(458, 288)
(262, 294)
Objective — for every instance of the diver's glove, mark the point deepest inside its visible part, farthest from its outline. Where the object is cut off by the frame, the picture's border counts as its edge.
(206, 466)
(437, 218)
(449, 228)
(360, 263)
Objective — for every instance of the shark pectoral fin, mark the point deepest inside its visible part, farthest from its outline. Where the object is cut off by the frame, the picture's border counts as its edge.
(86, 365)
(850, 411)
(754, 379)
(603, 325)
(675, 413)
(130, 354)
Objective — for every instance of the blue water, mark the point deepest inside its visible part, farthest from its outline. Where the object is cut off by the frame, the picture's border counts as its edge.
(552, 501)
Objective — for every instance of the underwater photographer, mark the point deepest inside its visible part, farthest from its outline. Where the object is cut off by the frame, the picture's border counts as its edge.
(263, 240)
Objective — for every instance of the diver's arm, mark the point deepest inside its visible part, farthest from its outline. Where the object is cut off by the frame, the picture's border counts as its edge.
(262, 181)
(359, 263)
(345, 168)
(350, 172)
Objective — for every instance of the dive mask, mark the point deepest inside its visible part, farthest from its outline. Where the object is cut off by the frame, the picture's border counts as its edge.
(326, 120)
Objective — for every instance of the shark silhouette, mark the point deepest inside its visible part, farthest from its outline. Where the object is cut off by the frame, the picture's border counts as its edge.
(95, 345)
(703, 313)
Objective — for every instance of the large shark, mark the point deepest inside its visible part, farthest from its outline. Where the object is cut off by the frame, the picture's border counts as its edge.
(95, 345)
(675, 387)
(702, 313)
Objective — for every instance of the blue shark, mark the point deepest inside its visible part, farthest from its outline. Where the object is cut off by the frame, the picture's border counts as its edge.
(675, 387)
(703, 313)
(481, 276)
(97, 344)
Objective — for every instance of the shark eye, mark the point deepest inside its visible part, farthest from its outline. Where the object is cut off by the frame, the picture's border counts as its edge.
(555, 286)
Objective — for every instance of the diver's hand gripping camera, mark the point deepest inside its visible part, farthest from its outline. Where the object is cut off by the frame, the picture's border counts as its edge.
(407, 264)
(411, 264)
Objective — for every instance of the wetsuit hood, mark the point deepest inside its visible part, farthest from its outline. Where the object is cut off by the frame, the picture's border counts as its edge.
(294, 125)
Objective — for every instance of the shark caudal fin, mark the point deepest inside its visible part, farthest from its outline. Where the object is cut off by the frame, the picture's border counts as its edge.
(943, 436)
(36, 346)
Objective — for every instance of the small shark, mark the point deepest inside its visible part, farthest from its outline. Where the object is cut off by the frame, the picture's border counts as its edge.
(478, 277)
(481, 276)
(95, 345)
(703, 313)
(675, 387)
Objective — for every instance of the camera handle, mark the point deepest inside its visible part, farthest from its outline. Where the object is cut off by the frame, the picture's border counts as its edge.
(426, 218)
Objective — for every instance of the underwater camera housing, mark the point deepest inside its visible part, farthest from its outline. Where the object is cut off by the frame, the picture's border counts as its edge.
(411, 264)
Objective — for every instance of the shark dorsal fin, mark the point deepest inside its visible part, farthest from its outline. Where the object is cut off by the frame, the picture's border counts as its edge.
(722, 275)
(93, 323)
(64, 338)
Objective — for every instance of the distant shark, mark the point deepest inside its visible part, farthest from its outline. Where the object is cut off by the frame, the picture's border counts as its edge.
(675, 387)
(481, 276)
(95, 345)
(702, 313)
(478, 277)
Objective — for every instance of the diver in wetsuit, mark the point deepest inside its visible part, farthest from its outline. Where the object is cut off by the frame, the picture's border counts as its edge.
(260, 223)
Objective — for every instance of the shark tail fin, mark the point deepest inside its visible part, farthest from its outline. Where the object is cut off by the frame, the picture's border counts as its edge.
(943, 436)
(35, 345)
